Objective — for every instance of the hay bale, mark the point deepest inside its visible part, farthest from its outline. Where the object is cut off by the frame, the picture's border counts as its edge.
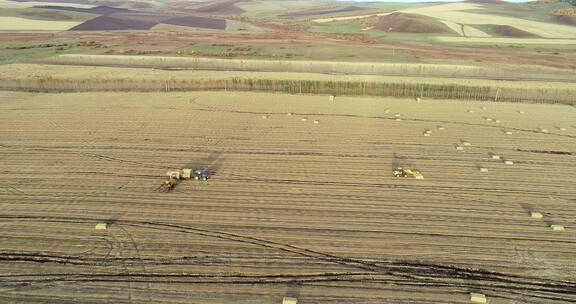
(426, 134)
(316, 122)
(387, 111)
(557, 227)
(483, 108)
(543, 130)
(482, 169)
(508, 162)
(459, 148)
(466, 144)
(398, 119)
(470, 111)
(418, 99)
(101, 226)
(508, 133)
(289, 300)
(441, 128)
(497, 121)
(332, 98)
(304, 119)
(478, 298)
(397, 115)
(289, 114)
(487, 118)
(495, 156)
(265, 116)
(561, 128)
(535, 215)
(520, 112)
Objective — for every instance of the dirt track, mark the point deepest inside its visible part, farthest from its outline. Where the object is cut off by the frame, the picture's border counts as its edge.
(293, 207)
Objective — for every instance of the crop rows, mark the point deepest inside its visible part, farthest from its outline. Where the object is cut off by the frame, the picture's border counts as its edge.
(292, 208)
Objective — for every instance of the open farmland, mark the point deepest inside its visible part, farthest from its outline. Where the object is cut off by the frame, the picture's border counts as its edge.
(292, 208)
(458, 13)
(22, 24)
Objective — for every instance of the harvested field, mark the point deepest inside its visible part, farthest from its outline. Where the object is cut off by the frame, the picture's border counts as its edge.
(293, 208)
(409, 23)
(15, 4)
(22, 24)
(458, 13)
(200, 22)
(323, 11)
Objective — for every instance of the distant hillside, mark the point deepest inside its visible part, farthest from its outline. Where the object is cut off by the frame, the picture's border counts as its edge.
(408, 23)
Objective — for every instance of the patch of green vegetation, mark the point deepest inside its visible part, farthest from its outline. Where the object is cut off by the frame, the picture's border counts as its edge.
(239, 26)
(45, 14)
(25, 51)
(316, 52)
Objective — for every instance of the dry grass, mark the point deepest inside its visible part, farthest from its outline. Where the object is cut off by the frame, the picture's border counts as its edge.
(22, 24)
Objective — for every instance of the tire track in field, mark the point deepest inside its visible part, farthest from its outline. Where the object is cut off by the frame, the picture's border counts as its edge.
(420, 272)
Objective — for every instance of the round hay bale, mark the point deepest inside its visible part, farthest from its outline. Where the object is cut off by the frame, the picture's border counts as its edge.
(304, 119)
(398, 119)
(397, 115)
(543, 130)
(535, 215)
(289, 113)
(495, 156)
(508, 133)
(466, 144)
(508, 162)
(459, 148)
(316, 122)
(497, 121)
(482, 169)
(557, 227)
(441, 128)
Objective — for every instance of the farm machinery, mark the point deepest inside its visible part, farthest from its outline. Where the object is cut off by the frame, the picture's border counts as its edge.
(402, 172)
(176, 175)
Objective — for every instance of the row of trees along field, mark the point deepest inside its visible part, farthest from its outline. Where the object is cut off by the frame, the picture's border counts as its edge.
(350, 88)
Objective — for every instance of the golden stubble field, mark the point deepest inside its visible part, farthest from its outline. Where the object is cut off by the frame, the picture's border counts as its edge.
(293, 207)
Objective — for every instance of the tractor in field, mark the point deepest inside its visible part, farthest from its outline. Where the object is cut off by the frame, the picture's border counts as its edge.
(402, 172)
(176, 175)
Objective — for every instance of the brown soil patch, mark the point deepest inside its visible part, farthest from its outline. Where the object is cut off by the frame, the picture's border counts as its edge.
(407, 23)
(564, 19)
(510, 31)
(105, 23)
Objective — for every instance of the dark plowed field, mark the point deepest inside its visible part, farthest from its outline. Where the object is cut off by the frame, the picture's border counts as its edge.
(510, 31)
(408, 23)
(104, 23)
